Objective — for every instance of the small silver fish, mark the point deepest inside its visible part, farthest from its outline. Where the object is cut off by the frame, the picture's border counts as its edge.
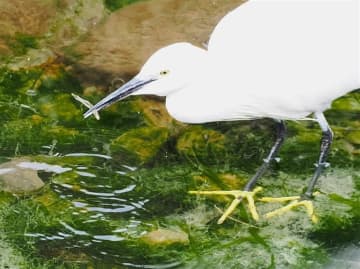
(87, 104)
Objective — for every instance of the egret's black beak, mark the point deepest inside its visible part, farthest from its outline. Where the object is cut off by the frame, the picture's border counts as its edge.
(119, 94)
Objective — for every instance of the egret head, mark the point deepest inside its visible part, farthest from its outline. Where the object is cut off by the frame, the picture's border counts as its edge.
(168, 70)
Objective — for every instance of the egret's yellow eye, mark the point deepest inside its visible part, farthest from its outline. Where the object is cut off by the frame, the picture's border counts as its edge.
(164, 72)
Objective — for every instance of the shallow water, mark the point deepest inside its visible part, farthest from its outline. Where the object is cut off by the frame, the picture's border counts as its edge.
(113, 193)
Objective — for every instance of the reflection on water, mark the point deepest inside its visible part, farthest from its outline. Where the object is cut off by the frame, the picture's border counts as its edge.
(90, 201)
(43, 167)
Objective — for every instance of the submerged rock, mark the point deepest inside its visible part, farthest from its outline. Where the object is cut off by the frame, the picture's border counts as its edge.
(201, 143)
(140, 144)
(164, 237)
(155, 114)
(17, 178)
(120, 45)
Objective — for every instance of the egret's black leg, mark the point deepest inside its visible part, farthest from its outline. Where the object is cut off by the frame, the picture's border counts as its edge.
(281, 133)
(304, 200)
(326, 140)
(248, 193)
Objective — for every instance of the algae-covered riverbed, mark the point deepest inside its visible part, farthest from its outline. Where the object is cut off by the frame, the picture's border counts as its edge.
(113, 193)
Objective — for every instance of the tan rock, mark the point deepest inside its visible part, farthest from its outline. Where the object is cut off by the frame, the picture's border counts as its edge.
(29, 17)
(166, 237)
(119, 46)
(17, 179)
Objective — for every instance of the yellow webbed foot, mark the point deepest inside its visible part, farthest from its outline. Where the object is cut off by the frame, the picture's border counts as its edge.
(239, 196)
(295, 201)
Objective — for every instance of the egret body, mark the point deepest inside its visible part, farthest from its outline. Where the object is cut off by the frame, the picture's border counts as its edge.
(284, 60)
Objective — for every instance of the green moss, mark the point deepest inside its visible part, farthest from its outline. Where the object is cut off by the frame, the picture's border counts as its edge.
(166, 188)
(247, 144)
(19, 136)
(25, 233)
(55, 79)
(61, 108)
(113, 5)
(341, 215)
(18, 81)
(20, 43)
(349, 102)
(204, 145)
(23, 136)
(139, 145)
(75, 160)
(299, 154)
(6, 198)
(354, 137)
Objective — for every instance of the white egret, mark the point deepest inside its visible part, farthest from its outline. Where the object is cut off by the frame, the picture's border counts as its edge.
(278, 59)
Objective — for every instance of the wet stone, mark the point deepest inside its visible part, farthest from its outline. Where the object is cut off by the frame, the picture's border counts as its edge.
(16, 178)
(164, 237)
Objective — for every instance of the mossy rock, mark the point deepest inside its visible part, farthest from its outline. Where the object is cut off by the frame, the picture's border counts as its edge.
(60, 108)
(354, 137)
(155, 114)
(205, 145)
(139, 145)
(347, 103)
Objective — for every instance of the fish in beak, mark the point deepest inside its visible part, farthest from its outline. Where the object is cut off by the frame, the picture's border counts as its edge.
(124, 91)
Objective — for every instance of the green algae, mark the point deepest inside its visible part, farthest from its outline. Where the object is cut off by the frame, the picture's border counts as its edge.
(20, 43)
(353, 137)
(201, 144)
(113, 5)
(350, 103)
(139, 145)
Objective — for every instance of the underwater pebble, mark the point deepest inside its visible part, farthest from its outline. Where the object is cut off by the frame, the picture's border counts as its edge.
(166, 237)
(17, 179)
